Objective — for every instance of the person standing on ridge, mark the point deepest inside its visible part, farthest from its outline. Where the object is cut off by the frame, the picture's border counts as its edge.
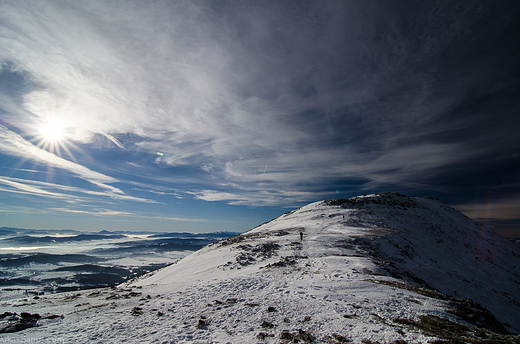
(301, 236)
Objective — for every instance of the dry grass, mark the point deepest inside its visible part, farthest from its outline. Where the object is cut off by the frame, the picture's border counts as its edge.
(452, 332)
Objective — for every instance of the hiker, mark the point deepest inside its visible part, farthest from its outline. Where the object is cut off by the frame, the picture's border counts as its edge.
(301, 236)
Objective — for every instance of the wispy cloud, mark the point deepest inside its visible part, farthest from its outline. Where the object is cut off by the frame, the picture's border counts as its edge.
(68, 193)
(15, 145)
(280, 198)
(126, 215)
(102, 212)
(115, 141)
(17, 187)
(270, 107)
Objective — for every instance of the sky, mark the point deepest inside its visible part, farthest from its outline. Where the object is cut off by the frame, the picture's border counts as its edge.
(220, 115)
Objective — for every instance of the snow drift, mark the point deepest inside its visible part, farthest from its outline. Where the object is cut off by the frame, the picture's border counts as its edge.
(378, 268)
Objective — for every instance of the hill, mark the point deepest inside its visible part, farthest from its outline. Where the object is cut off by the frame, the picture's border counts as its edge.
(379, 268)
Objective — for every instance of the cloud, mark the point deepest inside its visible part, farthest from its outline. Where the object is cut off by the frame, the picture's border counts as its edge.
(115, 141)
(102, 212)
(15, 145)
(272, 104)
(106, 212)
(7, 211)
(17, 187)
(68, 193)
(279, 198)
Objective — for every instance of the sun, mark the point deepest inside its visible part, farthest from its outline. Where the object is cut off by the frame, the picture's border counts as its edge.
(53, 136)
(52, 132)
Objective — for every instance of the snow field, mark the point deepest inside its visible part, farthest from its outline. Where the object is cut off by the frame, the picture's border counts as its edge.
(344, 280)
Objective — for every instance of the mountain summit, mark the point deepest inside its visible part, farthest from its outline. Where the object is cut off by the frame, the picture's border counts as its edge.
(378, 268)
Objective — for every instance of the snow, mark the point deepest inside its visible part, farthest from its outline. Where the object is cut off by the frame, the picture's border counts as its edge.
(363, 263)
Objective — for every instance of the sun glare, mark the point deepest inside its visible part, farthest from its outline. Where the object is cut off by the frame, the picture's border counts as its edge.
(52, 132)
(52, 136)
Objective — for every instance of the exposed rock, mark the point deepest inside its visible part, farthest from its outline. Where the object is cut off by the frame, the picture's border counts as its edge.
(14, 322)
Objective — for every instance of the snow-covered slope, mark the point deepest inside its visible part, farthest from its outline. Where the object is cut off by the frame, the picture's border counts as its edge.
(378, 268)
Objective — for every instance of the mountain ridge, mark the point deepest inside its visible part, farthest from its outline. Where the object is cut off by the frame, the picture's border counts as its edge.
(377, 268)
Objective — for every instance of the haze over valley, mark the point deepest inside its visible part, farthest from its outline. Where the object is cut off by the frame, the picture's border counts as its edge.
(37, 262)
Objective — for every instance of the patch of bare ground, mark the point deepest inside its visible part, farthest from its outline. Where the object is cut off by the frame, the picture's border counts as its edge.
(295, 337)
(467, 310)
(452, 332)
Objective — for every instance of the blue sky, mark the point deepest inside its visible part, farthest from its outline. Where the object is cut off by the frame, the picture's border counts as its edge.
(217, 115)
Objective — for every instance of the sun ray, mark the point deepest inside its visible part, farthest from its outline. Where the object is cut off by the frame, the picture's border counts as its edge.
(53, 135)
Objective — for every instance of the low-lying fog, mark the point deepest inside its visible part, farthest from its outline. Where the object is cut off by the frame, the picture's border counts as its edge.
(34, 262)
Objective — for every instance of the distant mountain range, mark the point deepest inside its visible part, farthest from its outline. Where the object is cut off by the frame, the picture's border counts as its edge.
(30, 240)
(8, 231)
(71, 260)
(11, 231)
